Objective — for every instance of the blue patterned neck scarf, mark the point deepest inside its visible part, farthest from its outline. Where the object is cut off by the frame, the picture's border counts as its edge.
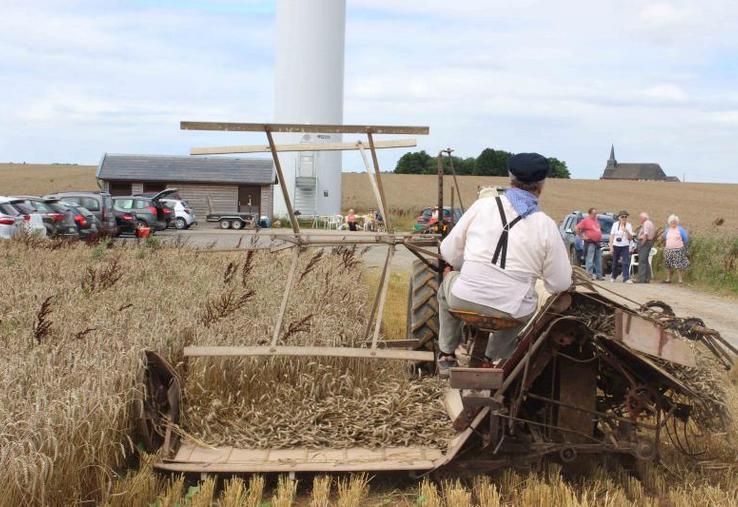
(524, 202)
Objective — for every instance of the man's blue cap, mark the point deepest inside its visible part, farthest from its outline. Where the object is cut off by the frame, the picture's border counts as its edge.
(528, 167)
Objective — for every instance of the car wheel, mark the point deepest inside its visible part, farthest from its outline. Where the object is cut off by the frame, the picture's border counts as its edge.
(225, 224)
(237, 224)
(180, 223)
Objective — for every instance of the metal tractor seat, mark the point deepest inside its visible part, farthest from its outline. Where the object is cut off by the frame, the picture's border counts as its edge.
(484, 322)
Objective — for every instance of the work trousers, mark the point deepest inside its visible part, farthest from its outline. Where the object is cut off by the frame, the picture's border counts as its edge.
(593, 258)
(621, 253)
(500, 345)
(644, 268)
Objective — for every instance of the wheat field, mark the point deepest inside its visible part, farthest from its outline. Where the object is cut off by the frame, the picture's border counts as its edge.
(73, 334)
(699, 205)
(40, 179)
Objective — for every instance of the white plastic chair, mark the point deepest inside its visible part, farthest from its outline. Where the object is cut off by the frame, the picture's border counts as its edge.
(335, 221)
(634, 260)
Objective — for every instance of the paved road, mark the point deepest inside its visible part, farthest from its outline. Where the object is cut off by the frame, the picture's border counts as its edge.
(212, 237)
(718, 312)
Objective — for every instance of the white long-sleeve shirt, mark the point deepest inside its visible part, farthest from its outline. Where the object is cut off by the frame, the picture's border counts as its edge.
(535, 251)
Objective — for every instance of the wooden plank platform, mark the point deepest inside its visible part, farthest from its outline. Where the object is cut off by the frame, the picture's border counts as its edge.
(302, 127)
(197, 459)
(192, 458)
(265, 148)
(475, 378)
(266, 350)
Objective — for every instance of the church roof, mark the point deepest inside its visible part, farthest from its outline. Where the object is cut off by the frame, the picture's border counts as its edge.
(634, 171)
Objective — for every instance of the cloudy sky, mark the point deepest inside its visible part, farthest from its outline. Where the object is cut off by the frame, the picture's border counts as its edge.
(566, 78)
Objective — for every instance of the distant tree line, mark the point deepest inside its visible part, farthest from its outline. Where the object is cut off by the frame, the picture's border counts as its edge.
(490, 162)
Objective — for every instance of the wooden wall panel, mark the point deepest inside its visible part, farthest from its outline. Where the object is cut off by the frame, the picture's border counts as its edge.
(224, 198)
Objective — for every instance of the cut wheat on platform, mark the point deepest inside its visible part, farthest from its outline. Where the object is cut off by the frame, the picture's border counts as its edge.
(307, 402)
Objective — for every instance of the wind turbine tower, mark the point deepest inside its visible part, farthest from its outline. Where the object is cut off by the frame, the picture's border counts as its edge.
(309, 89)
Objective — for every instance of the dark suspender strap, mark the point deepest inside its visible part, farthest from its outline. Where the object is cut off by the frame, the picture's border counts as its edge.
(501, 249)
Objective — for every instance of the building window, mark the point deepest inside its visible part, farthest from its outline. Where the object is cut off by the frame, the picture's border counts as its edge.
(120, 188)
(153, 186)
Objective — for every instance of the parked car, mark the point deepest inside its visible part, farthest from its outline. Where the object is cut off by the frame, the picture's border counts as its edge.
(83, 219)
(575, 245)
(127, 223)
(159, 197)
(10, 225)
(148, 212)
(99, 204)
(53, 220)
(67, 225)
(32, 221)
(184, 217)
(429, 216)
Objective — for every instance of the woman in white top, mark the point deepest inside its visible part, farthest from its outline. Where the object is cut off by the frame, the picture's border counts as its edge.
(620, 236)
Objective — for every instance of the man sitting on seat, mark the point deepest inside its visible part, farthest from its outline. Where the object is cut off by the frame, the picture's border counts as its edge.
(497, 251)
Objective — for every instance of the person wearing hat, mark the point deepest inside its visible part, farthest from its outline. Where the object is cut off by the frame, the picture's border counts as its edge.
(620, 236)
(496, 252)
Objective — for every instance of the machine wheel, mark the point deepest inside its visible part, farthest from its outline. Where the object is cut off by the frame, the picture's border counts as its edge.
(180, 223)
(236, 224)
(159, 403)
(225, 224)
(422, 311)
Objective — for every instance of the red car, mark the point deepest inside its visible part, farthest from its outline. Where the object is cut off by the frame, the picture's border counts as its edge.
(429, 218)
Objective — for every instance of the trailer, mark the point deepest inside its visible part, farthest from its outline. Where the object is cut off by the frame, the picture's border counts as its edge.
(235, 220)
(248, 219)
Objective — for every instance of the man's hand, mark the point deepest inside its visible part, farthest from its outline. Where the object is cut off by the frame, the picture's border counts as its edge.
(447, 270)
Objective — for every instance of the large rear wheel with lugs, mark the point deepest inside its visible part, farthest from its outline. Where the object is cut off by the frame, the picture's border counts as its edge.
(422, 311)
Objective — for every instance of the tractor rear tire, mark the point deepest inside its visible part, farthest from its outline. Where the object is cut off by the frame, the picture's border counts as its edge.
(422, 311)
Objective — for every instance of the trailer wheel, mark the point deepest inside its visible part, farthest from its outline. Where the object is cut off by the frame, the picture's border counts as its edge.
(236, 224)
(225, 224)
(422, 312)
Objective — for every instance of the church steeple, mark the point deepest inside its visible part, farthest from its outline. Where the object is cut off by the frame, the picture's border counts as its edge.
(611, 162)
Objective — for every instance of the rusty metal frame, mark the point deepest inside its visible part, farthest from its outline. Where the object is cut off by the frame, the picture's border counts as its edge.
(299, 240)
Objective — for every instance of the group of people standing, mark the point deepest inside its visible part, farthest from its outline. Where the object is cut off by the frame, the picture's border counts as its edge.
(625, 241)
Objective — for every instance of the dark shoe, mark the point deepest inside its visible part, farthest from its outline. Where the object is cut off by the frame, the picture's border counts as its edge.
(445, 363)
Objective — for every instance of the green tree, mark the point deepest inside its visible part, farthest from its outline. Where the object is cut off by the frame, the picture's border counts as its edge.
(558, 168)
(492, 163)
(415, 162)
(462, 166)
